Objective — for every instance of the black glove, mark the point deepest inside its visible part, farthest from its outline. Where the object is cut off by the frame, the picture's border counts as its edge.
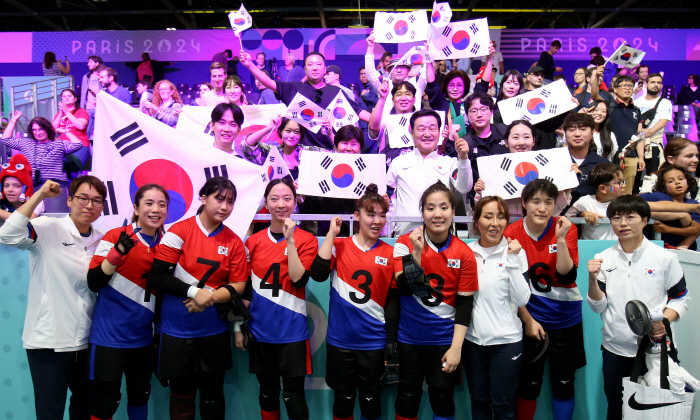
(126, 241)
(415, 277)
(391, 353)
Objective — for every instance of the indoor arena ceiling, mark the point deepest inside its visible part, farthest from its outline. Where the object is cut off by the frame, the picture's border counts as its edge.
(86, 15)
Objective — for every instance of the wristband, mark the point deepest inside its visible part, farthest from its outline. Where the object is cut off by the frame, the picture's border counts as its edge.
(237, 326)
(192, 292)
(114, 257)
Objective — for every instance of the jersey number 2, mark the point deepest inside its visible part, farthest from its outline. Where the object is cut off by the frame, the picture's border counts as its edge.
(214, 266)
(273, 271)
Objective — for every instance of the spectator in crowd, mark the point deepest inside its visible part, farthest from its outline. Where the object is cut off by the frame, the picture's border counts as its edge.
(315, 89)
(260, 64)
(267, 97)
(511, 86)
(672, 184)
(603, 137)
(584, 97)
(383, 65)
(440, 71)
(108, 79)
(203, 88)
(640, 89)
(682, 152)
(595, 52)
(71, 119)
(578, 132)
(59, 303)
(290, 72)
(54, 67)
(689, 94)
(546, 61)
(16, 187)
(608, 182)
(333, 75)
(166, 105)
(403, 98)
(89, 87)
(410, 174)
(147, 68)
(233, 88)
(216, 96)
(653, 125)
(535, 77)
(463, 64)
(497, 60)
(580, 80)
(41, 149)
(145, 90)
(226, 122)
(222, 57)
(666, 287)
(367, 101)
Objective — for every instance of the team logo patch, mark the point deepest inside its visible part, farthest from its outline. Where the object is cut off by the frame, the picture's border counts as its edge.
(649, 271)
(223, 250)
(553, 248)
(499, 265)
(454, 263)
(476, 150)
(380, 261)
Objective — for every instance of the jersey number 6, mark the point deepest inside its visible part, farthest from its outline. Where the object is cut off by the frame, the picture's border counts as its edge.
(535, 278)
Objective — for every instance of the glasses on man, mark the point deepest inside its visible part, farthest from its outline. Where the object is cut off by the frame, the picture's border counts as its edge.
(482, 110)
(620, 184)
(629, 219)
(83, 201)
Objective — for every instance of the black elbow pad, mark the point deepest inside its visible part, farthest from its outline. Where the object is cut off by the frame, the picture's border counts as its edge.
(235, 310)
(568, 278)
(463, 309)
(320, 269)
(302, 281)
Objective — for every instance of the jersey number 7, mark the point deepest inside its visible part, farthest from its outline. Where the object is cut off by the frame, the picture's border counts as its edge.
(214, 266)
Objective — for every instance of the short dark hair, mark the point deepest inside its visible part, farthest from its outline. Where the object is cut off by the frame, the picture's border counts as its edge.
(386, 54)
(556, 43)
(656, 75)
(641, 67)
(92, 181)
(348, 132)
(218, 112)
(483, 98)
(96, 59)
(111, 72)
(479, 208)
(628, 204)
(229, 52)
(579, 120)
(286, 181)
(595, 50)
(314, 53)
(261, 52)
(146, 82)
(559, 77)
(283, 125)
(602, 173)
(453, 74)
(437, 187)
(516, 123)
(45, 125)
(621, 79)
(217, 185)
(408, 85)
(539, 185)
(424, 113)
(362, 67)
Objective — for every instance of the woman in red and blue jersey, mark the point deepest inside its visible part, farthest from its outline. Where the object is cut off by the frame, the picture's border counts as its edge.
(121, 337)
(363, 308)
(203, 262)
(279, 260)
(436, 277)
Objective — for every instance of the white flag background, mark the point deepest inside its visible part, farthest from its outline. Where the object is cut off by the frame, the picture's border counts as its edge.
(274, 166)
(194, 122)
(468, 38)
(398, 129)
(240, 20)
(341, 175)
(340, 112)
(132, 149)
(538, 105)
(304, 111)
(397, 28)
(441, 16)
(506, 175)
(627, 56)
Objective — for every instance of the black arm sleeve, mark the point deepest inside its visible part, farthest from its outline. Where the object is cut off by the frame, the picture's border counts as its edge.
(97, 279)
(402, 284)
(463, 309)
(320, 269)
(678, 290)
(302, 281)
(481, 87)
(391, 315)
(602, 287)
(161, 277)
(248, 293)
(435, 98)
(568, 278)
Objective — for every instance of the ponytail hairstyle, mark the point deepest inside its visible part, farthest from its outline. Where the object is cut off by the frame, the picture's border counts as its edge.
(436, 188)
(369, 199)
(219, 186)
(286, 181)
(139, 195)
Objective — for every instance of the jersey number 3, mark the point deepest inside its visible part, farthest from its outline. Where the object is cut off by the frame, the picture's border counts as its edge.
(362, 286)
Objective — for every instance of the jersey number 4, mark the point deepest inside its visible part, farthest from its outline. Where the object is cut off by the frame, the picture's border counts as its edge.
(274, 272)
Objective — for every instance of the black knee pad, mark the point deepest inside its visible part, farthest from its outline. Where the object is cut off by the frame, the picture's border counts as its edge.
(140, 396)
(343, 403)
(442, 400)
(370, 404)
(295, 402)
(408, 400)
(212, 409)
(105, 405)
(269, 400)
(528, 390)
(562, 386)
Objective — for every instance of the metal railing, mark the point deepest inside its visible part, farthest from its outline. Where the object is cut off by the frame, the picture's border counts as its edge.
(28, 97)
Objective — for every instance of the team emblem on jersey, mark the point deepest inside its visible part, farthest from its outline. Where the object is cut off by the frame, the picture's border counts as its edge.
(500, 265)
(552, 248)
(454, 263)
(380, 261)
(649, 271)
(223, 250)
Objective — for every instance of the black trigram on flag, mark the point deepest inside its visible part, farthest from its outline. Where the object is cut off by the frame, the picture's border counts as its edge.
(412, 19)
(279, 170)
(326, 162)
(295, 115)
(110, 204)
(505, 163)
(474, 28)
(447, 31)
(526, 118)
(360, 189)
(617, 57)
(319, 114)
(545, 93)
(215, 171)
(553, 109)
(635, 55)
(413, 34)
(264, 177)
(405, 139)
(302, 103)
(272, 158)
(389, 36)
(128, 139)
(324, 186)
(549, 178)
(447, 51)
(475, 48)
(510, 188)
(390, 19)
(360, 164)
(403, 121)
(541, 159)
(519, 103)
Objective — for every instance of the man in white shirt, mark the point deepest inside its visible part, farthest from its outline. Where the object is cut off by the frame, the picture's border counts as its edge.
(654, 127)
(411, 174)
(633, 269)
(59, 304)
(640, 89)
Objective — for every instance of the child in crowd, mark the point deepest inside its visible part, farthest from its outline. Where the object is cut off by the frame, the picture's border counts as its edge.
(145, 90)
(16, 187)
(609, 183)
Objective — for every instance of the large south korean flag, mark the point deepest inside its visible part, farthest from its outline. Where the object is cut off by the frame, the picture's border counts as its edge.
(468, 38)
(132, 149)
(340, 175)
(538, 105)
(506, 175)
(397, 28)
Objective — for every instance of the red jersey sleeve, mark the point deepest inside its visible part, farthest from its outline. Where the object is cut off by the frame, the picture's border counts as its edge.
(337, 248)
(106, 244)
(402, 247)
(170, 246)
(572, 243)
(468, 278)
(307, 250)
(249, 247)
(238, 263)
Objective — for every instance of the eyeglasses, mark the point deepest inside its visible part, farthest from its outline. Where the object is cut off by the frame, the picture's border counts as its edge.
(626, 86)
(629, 219)
(83, 201)
(482, 110)
(317, 99)
(619, 183)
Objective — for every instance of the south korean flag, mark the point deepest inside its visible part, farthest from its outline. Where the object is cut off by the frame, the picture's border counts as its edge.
(509, 173)
(627, 56)
(306, 112)
(340, 112)
(398, 129)
(340, 175)
(397, 28)
(240, 20)
(538, 105)
(274, 166)
(469, 38)
(441, 16)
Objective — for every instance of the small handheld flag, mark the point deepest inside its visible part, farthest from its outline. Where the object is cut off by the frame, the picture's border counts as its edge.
(304, 111)
(442, 13)
(340, 112)
(469, 38)
(627, 56)
(240, 20)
